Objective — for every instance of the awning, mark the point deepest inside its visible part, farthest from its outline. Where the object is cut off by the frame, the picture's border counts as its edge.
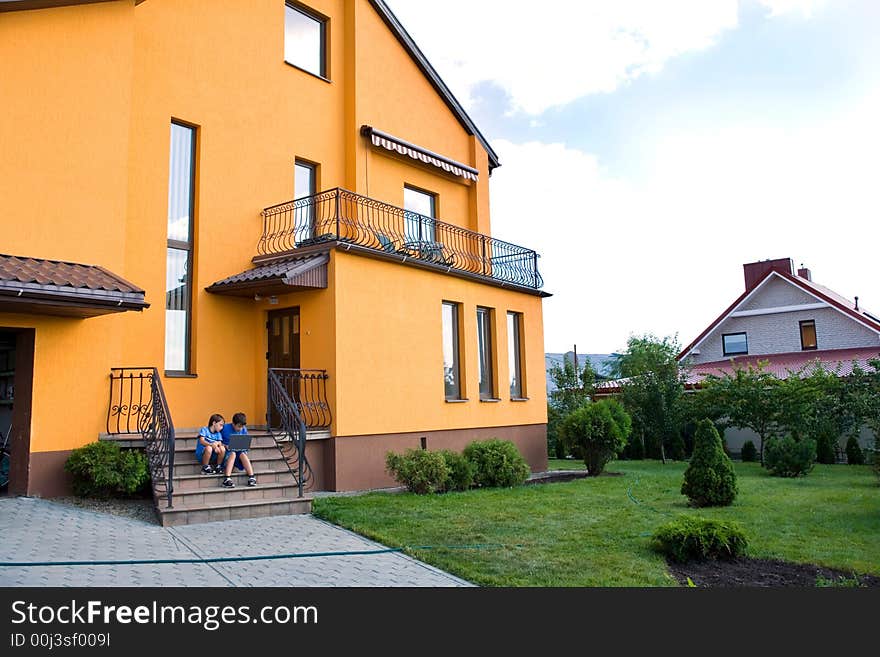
(276, 278)
(52, 287)
(397, 145)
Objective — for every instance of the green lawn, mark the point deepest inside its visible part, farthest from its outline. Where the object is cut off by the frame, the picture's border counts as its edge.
(595, 532)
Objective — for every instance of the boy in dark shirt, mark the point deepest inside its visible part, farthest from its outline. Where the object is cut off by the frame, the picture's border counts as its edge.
(237, 458)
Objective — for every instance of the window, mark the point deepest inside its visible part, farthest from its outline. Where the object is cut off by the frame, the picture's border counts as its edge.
(808, 335)
(514, 354)
(305, 185)
(451, 351)
(735, 343)
(484, 346)
(179, 257)
(305, 40)
(419, 226)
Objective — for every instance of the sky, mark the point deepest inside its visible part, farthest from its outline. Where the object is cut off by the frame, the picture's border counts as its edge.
(649, 149)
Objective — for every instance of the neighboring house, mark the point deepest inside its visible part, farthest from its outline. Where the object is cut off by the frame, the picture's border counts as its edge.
(142, 140)
(786, 319)
(599, 363)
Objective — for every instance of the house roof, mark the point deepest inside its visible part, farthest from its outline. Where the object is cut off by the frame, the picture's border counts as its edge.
(37, 285)
(840, 361)
(22, 5)
(823, 293)
(278, 277)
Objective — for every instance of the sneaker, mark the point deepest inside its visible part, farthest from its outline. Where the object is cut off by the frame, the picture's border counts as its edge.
(252, 481)
(228, 483)
(218, 469)
(207, 469)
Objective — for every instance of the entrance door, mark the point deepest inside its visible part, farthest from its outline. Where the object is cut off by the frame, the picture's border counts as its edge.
(284, 350)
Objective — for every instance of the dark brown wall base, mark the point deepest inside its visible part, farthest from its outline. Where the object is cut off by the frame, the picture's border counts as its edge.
(47, 475)
(360, 460)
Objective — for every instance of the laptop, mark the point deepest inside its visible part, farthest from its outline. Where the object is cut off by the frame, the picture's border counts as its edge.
(238, 442)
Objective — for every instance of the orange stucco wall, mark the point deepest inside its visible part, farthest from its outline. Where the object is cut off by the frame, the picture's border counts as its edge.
(88, 94)
(390, 358)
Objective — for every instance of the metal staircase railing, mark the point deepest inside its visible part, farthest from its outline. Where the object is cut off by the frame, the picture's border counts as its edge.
(290, 435)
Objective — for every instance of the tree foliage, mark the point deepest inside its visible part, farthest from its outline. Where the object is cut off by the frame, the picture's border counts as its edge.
(709, 479)
(652, 389)
(574, 388)
(599, 431)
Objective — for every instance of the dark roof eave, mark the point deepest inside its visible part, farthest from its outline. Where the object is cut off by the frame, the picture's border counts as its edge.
(436, 81)
(120, 303)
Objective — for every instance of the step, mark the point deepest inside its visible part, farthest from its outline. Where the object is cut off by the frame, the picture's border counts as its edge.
(187, 465)
(264, 476)
(220, 495)
(189, 444)
(182, 514)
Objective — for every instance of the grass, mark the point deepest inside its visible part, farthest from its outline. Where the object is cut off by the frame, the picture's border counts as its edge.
(595, 532)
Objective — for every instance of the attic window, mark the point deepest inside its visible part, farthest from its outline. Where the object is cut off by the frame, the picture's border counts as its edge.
(735, 344)
(305, 40)
(808, 335)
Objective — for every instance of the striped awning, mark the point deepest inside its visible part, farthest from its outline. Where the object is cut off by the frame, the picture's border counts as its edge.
(396, 145)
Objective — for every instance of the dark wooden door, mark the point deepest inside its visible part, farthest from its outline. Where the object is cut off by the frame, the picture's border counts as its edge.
(284, 349)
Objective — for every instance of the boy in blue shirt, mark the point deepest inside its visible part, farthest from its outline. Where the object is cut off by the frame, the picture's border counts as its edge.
(210, 443)
(237, 458)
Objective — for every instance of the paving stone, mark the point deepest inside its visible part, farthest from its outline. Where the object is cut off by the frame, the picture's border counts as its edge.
(36, 530)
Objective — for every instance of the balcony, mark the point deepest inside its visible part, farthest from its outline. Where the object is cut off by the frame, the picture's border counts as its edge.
(338, 215)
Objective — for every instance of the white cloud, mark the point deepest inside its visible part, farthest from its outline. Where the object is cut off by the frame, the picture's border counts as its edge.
(665, 255)
(552, 53)
(804, 7)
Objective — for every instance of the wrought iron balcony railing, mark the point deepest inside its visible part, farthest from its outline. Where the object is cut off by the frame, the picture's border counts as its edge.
(341, 215)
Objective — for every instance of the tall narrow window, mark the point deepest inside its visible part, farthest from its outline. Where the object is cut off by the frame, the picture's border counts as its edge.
(305, 40)
(484, 347)
(451, 353)
(514, 354)
(305, 185)
(421, 212)
(808, 335)
(178, 278)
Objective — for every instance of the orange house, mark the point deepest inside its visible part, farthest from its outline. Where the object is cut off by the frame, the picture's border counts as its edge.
(260, 206)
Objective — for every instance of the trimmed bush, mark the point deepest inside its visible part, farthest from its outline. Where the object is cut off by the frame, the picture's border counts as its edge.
(102, 469)
(419, 470)
(709, 479)
(826, 448)
(461, 472)
(599, 430)
(496, 463)
(787, 457)
(749, 452)
(688, 538)
(854, 453)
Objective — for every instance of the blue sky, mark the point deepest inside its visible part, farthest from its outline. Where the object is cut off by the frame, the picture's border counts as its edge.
(650, 148)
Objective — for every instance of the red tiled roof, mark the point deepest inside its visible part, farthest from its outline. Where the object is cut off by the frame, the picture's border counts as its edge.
(18, 269)
(781, 366)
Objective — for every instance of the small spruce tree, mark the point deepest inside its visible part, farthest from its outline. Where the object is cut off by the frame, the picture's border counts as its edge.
(854, 453)
(749, 452)
(709, 479)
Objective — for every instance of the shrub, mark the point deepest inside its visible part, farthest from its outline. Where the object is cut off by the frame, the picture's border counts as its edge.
(709, 479)
(826, 445)
(749, 452)
(461, 472)
(419, 470)
(496, 463)
(676, 447)
(854, 453)
(787, 457)
(688, 538)
(600, 431)
(102, 469)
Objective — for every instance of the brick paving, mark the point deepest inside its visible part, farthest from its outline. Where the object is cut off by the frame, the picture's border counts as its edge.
(35, 530)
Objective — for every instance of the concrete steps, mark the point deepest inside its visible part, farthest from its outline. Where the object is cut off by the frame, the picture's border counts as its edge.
(200, 498)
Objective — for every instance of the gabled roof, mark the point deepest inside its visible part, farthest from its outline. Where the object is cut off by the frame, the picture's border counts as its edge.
(821, 292)
(433, 77)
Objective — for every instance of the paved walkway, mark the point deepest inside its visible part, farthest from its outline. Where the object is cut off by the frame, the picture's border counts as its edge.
(34, 530)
